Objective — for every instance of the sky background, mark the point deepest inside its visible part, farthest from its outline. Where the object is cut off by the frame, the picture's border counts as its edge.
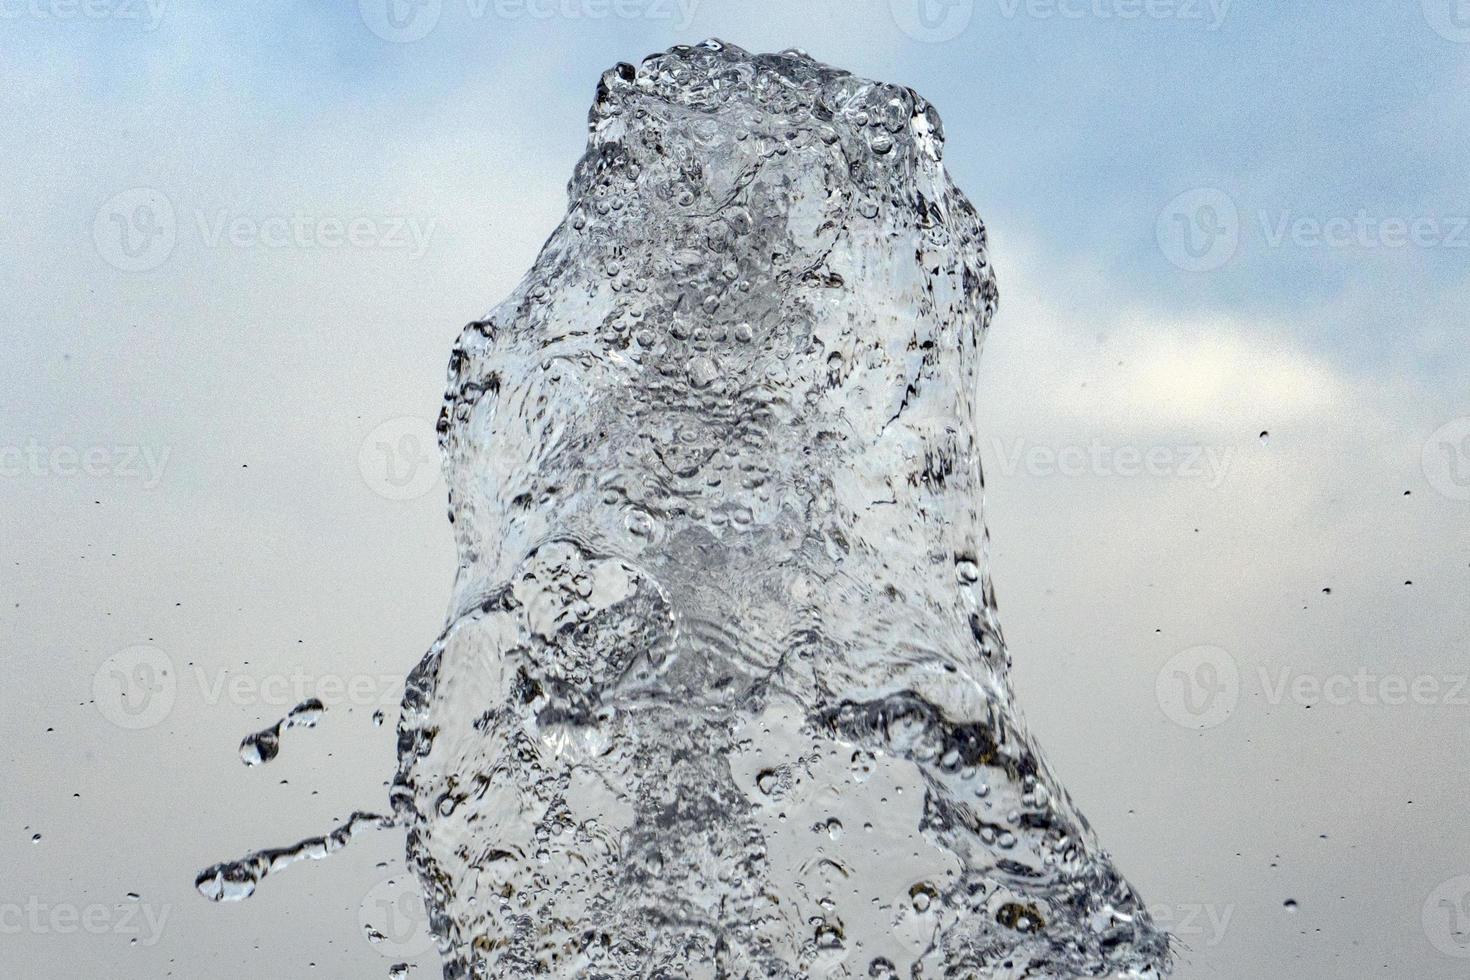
(238, 244)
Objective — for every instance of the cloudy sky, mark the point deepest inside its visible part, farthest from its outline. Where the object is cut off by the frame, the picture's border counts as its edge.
(238, 244)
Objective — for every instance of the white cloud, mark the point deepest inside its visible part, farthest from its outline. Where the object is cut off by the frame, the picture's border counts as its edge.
(1147, 373)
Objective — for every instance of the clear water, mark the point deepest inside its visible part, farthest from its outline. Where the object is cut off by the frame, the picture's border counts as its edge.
(232, 881)
(258, 748)
(722, 691)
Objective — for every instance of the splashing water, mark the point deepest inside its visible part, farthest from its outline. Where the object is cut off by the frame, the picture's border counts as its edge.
(233, 881)
(722, 691)
(263, 746)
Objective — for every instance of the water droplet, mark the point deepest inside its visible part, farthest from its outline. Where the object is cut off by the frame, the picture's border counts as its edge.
(702, 372)
(263, 746)
(234, 881)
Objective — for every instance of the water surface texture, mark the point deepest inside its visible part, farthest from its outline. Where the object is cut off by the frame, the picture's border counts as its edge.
(722, 691)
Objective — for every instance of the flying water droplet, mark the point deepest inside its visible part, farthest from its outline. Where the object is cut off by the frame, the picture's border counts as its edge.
(264, 745)
(233, 881)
